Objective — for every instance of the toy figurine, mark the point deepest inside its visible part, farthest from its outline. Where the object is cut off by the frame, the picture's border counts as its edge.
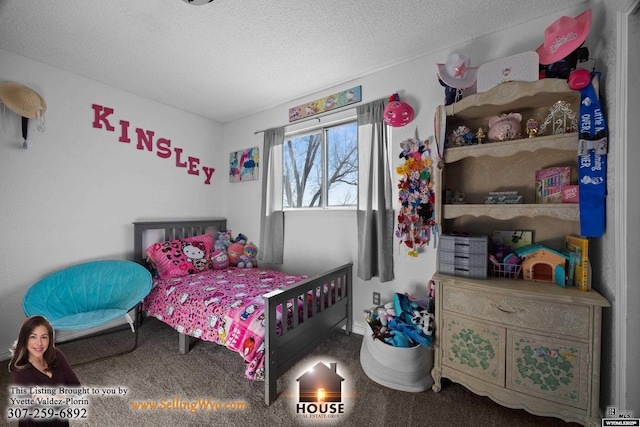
(480, 135)
(532, 127)
(460, 136)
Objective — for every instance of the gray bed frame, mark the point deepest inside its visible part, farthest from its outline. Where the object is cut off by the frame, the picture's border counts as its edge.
(296, 341)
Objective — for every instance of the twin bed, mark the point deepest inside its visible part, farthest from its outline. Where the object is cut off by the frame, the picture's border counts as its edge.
(243, 309)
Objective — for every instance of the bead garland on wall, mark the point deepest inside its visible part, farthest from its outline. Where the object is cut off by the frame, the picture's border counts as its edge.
(416, 221)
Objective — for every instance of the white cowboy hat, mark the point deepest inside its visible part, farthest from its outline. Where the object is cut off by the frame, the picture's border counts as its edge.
(457, 72)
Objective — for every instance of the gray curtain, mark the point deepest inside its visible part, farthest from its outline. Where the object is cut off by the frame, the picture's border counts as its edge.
(271, 247)
(375, 204)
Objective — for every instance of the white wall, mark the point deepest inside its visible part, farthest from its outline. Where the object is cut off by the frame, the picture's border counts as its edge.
(72, 196)
(620, 375)
(311, 236)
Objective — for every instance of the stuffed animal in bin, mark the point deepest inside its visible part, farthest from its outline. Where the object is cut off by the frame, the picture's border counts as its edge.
(248, 259)
(235, 251)
(411, 332)
(424, 321)
(385, 313)
(398, 339)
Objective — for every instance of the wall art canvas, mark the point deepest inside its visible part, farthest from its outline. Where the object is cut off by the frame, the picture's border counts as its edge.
(243, 165)
(337, 100)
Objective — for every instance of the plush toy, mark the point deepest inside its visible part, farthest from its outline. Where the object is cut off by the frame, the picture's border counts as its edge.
(224, 241)
(241, 238)
(219, 259)
(390, 309)
(234, 252)
(384, 315)
(405, 306)
(424, 321)
(248, 257)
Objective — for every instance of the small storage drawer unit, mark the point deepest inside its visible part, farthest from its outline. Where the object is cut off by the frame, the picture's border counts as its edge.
(464, 256)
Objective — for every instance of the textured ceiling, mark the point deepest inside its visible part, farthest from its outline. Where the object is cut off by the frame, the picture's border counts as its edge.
(231, 58)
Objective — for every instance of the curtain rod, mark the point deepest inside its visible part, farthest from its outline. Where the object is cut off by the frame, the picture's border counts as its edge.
(318, 117)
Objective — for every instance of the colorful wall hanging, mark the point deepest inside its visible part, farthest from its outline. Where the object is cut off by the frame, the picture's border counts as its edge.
(416, 220)
(331, 102)
(243, 165)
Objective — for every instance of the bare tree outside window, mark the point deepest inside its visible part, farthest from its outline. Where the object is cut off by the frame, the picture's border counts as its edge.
(320, 168)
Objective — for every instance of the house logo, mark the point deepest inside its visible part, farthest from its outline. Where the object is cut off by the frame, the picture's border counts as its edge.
(320, 392)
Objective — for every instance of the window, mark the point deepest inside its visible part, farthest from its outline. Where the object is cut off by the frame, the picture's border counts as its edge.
(320, 168)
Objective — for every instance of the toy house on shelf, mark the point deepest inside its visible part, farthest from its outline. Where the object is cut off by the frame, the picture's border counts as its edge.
(542, 264)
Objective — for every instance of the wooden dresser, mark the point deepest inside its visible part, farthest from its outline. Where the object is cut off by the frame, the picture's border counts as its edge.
(528, 345)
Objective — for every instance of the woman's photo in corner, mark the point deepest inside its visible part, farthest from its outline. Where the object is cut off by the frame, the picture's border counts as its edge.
(38, 368)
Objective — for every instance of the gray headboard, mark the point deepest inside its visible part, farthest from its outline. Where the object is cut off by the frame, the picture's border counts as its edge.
(170, 230)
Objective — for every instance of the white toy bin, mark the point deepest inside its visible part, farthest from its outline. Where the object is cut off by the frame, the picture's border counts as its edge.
(399, 368)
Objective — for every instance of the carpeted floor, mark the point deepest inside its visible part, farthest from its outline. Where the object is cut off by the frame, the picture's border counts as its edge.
(156, 372)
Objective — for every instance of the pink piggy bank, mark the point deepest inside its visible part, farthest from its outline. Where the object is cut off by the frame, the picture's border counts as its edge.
(505, 127)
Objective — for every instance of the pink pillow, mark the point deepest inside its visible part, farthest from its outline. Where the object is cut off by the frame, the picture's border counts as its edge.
(180, 257)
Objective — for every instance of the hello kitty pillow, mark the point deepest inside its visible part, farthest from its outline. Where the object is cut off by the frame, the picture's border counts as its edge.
(175, 258)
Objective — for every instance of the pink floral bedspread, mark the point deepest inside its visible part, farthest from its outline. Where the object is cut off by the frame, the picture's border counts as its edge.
(223, 306)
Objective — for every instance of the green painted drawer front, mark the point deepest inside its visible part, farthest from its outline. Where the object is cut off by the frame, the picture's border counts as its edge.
(549, 368)
(473, 347)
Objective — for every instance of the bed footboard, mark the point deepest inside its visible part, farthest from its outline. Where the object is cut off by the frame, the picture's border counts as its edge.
(330, 308)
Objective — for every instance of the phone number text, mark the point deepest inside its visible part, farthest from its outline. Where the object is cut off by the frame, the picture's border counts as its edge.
(47, 413)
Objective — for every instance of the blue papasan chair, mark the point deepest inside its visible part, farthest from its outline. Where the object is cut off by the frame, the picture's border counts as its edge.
(89, 295)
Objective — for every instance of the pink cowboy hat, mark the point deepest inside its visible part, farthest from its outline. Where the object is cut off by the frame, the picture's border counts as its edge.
(563, 37)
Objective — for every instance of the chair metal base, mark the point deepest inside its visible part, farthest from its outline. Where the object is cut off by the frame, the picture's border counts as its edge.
(114, 330)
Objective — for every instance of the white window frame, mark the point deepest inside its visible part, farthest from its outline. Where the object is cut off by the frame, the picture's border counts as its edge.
(322, 129)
